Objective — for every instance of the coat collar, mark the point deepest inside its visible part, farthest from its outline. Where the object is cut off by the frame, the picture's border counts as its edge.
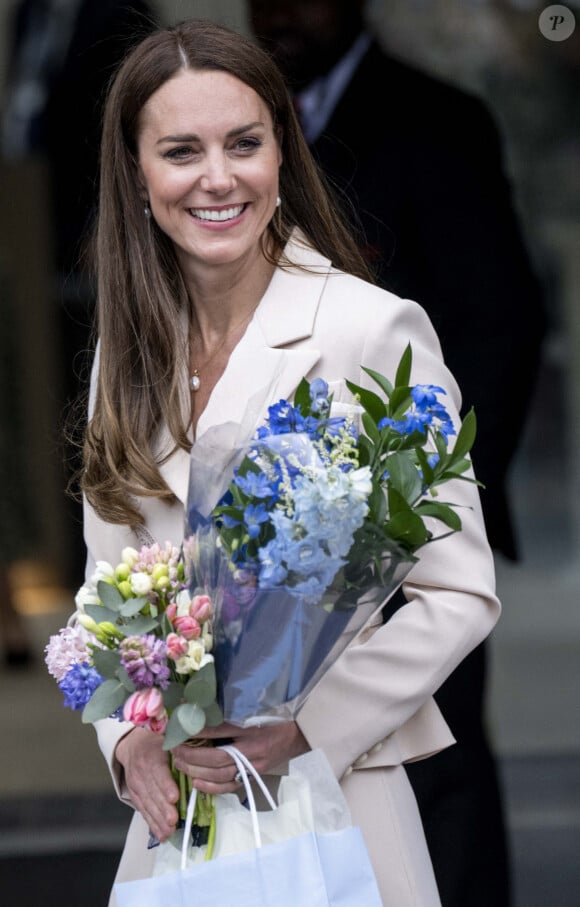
(262, 369)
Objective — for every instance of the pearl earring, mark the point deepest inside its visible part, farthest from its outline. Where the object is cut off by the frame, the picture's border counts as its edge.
(147, 210)
(278, 201)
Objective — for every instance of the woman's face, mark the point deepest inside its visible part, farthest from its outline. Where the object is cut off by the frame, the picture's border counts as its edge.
(208, 165)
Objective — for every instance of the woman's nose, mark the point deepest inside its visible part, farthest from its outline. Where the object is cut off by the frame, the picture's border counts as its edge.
(217, 175)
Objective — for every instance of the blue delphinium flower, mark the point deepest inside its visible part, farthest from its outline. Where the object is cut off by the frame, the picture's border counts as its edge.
(282, 419)
(424, 395)
(319, 397)
(79, 684)
(254, 516)
(255, 485)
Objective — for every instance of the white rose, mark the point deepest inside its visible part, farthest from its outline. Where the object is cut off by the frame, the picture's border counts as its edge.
(141, 583)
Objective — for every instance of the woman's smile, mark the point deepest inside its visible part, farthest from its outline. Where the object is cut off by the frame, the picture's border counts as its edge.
(208, 166)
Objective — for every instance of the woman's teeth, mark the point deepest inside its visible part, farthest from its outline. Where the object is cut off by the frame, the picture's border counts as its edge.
(224, 214)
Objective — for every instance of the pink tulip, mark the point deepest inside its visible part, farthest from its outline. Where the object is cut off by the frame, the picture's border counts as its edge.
(171, 611)
(200, 608)
(145, 708)
(176, 646)
(187, 627)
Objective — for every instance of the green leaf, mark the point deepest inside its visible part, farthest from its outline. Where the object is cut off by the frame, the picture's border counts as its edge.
(172, 695)
(401, 400)
(100, 614)
(466, 436)
(302, 397)
(403, 373)
(175, 733)
(407, 528)
(191, 719)
(132, 606)
(370, 401)
(384, 383)
(201, 688)
(213, 715)
(440, 511)
(403, 476)
(107, 663)
(109, 595)
(105, 700)
(370, 428)
(139, 625)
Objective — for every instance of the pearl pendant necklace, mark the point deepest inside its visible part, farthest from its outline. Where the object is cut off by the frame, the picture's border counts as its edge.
(194, 381)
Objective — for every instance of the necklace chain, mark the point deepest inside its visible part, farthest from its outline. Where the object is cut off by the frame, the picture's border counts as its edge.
(195, 381)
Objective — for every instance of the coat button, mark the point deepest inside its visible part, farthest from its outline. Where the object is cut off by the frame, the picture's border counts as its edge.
(348, 771)
(377, 747)
(362, 759)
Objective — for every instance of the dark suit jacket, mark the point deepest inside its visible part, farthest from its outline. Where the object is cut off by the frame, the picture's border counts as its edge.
(68, 133)
(423, 168)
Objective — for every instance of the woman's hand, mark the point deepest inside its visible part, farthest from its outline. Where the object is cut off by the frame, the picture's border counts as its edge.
(213, 770)
(149, 780)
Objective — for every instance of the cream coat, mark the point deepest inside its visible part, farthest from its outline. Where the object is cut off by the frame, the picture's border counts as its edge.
(374, 709)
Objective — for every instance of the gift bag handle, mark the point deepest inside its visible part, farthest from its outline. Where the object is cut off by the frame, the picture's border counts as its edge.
(243, 765)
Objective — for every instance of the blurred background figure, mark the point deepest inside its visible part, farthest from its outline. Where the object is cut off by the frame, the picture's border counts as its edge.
(62, 54)
(17, 525)
(420, 164)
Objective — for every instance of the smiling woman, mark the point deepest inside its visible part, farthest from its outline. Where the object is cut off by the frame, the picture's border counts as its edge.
(226, 274)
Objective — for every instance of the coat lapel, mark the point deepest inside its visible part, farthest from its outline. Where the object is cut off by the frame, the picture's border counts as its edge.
(263, 367)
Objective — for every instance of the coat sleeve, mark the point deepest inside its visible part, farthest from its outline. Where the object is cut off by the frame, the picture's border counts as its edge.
(375, 687)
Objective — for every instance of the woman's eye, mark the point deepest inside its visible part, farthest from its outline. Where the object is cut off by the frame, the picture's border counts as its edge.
(247, 144)
(176, 154)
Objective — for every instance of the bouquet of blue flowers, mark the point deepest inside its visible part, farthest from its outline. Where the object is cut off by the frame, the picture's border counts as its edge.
(318, 527)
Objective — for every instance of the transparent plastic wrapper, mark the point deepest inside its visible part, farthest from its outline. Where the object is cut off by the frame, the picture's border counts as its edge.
(271, 645)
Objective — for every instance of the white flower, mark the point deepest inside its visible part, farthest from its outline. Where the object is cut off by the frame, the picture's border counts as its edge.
(141, 583)
(86, 596)
(195, 658)
(103, 571)
(360, 483)
(183, 602)
(129, 556)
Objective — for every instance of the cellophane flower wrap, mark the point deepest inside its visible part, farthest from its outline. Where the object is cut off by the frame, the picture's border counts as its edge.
(318, 526)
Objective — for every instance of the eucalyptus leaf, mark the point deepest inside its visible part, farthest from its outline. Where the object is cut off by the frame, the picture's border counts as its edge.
(139, 625)
(174, 733)
(107, 662)
(201, 687)
(105, 700)
(213, 715)
(100, 614)
(109, 595)
(191, 717)
(132, 606)
(172, 695)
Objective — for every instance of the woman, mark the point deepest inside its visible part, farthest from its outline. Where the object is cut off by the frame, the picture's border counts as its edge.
(224, 268)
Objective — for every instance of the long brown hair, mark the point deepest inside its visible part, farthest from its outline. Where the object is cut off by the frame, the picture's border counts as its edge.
(141, 296)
